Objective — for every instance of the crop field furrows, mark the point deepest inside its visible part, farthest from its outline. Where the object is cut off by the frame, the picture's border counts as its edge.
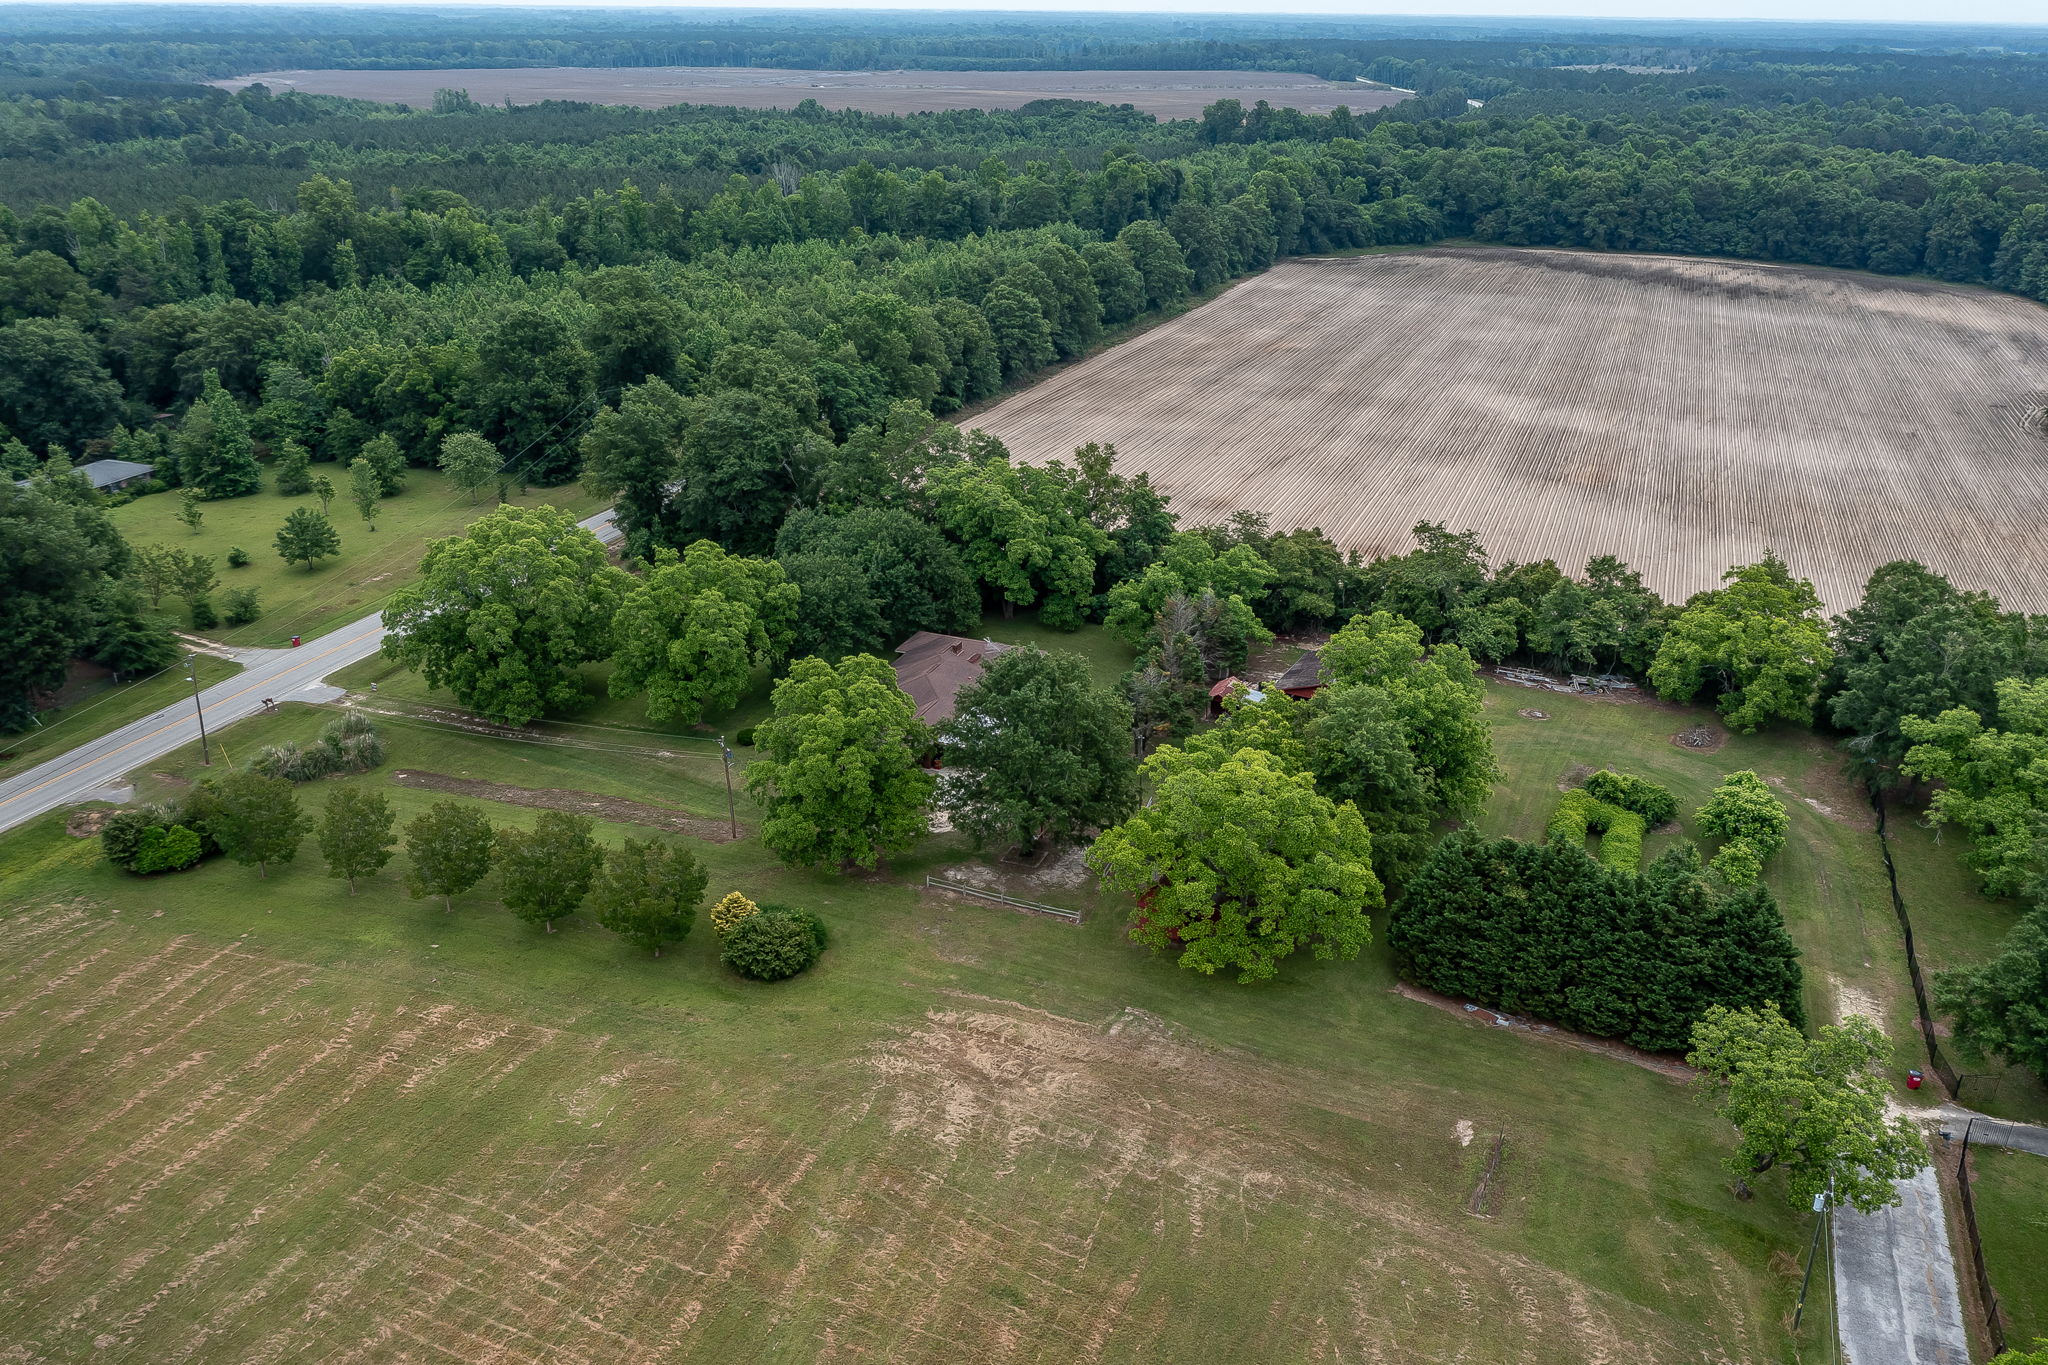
(1685, 414)
(215, 1153)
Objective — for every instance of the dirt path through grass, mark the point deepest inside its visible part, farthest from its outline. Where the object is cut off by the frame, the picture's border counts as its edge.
(613, 808)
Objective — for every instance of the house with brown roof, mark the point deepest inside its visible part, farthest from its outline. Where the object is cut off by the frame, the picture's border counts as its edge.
(933, 668)
(1304, 677)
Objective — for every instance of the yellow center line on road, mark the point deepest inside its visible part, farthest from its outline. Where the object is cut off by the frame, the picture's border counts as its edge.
(59, 777)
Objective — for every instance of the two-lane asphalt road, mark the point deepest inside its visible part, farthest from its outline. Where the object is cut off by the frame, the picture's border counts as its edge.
(98, 765)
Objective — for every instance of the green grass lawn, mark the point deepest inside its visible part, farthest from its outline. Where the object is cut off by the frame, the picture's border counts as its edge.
(303, 601)
(2011, 1192)
(263, 1118)
(105, 710)
(1955, 925)
(1829, 879)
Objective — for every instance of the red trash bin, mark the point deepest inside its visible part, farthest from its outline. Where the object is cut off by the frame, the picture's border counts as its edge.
(295, 642)
(1912, 1080)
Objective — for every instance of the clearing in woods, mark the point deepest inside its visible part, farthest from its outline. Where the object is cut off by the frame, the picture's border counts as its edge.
(1169, 94)
(1685, 414)
(264, 1120)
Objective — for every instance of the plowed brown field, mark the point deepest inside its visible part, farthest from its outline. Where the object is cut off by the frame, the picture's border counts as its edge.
(1684, 414)
(1169, 94)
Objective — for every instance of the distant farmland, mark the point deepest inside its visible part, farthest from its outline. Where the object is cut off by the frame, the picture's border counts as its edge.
(1169, 94)
(1685, 414)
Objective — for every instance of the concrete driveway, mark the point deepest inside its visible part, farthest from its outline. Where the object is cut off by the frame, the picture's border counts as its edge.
(1895, 1282)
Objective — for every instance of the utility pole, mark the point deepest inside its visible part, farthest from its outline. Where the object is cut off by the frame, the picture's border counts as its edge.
(732, 814)
(1820, 1202)
(192, 675)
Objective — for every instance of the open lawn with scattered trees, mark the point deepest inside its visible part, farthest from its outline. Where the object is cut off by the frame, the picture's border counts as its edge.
(302, 598)
(1052, 1079)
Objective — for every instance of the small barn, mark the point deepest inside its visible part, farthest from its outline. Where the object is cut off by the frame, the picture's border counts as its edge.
(1304, 677)
(933, 668)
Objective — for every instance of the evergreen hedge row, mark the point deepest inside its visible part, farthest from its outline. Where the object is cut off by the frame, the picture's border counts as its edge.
(1544, 930)
(1579, 814)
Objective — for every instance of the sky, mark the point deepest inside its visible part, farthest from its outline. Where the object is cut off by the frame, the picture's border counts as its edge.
(2029, 12)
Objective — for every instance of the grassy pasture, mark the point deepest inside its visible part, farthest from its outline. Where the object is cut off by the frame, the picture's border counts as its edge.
(298, 600)
(263, 1119)
(2011, 1193)
(104, 709)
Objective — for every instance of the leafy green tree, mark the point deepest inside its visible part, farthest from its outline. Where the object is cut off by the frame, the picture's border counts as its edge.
(126, 637)
(294, 470)
(306, 538)
(1159, 262)
(1759, 642)
(544, 873)
(1743, 812)
(536, 386)
(53, 386)
(355, 834)
(633, 453)
(840, 781)
(469, 461)
(364, 488)
(291, 409)
(57, 560)
(774, 943)
(739, 457)
(201, 609)
(1994, 781)
(189, 510)
(1019, 534)
(323, 489)
(694, 628)
(1811, 1107)
(911, 578)
(215, 452)
(1022, 333)
(2000, 1007)
(1915, 646)
(648, 893)
(449, 850)
(255, 819)
(1400, 733)
(1037, 751)
(1239, 862)
(194, 575)
(506, 615)
(835, 611)
(242, 606)
(1188, 566)
(386, 461)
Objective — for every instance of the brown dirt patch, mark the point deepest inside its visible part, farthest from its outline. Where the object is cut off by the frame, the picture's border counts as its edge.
(613, 808)
(84, 824)
(1574, 776)
(1701, 739)
(1668, 1067)
(1168, 94)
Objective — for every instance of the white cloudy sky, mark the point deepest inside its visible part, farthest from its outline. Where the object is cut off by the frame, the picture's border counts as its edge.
(2032, 12)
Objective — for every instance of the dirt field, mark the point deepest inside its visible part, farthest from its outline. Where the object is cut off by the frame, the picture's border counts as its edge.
(1169, 94)
(1684, 414)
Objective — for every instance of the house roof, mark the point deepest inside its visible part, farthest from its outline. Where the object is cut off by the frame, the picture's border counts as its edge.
(105, 473)
(1307, 671)
(933, 668)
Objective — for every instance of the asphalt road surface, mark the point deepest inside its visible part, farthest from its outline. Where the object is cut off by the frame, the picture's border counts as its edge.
(96, 769)
(1895, 1282)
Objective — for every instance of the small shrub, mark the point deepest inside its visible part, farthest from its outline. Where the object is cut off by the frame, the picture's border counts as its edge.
(1739, 863)
(242, 605)
(1579, 814)
(121, 837)
(745, 738)
(238, 558)
(774, 944)
(204, 617)
(1644, 797)
(729, 911)
(1742, 807)
(357, 753)
(148, 486)
(292, 762)
(167, 848)
(348, 725)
